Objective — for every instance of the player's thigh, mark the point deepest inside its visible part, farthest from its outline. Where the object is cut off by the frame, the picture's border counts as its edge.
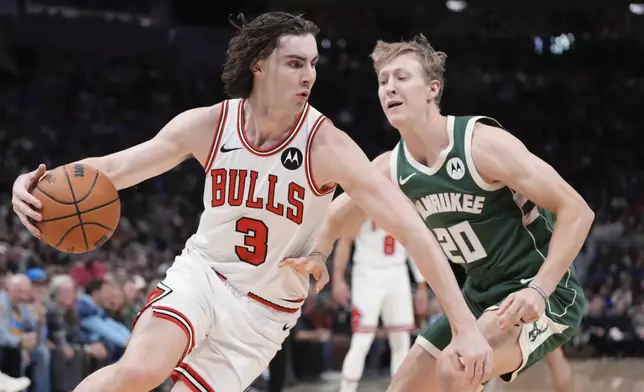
(366, 300)
(398, 307)
(155, 347)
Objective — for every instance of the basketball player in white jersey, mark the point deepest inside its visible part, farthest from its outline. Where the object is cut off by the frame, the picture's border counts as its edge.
(379, 287)
(271, 163)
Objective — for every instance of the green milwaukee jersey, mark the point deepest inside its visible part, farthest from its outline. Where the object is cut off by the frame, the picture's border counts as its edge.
(495, 232)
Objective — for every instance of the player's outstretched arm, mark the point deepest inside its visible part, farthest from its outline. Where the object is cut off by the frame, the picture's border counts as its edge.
(500, 157)
(172, 145)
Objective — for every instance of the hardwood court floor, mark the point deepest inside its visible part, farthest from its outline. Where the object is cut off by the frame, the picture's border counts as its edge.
(607, 375)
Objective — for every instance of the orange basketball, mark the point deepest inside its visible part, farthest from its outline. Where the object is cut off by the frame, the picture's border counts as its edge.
(80, 208)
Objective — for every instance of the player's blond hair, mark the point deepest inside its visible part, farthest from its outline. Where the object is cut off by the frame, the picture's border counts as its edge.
(433, 62)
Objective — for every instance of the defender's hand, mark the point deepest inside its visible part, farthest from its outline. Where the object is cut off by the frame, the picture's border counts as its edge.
(471, 352)
(522, 307)
(341, 292)
(313, 265)
(24, 203)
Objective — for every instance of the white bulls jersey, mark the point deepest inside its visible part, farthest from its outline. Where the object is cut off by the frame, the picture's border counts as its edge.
(261, 206)
(375, 248)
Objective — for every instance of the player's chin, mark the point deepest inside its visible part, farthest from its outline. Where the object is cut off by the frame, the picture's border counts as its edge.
(396, 119)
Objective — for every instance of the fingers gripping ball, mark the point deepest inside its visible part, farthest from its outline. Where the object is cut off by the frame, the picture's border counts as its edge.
(80, 208)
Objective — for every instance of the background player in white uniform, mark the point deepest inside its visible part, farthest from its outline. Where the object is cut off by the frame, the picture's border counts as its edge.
(271, 164)
(379, 287)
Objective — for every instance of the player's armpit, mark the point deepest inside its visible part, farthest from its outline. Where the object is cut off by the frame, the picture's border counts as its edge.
(500, 157)
(168, 148)
(337, 159)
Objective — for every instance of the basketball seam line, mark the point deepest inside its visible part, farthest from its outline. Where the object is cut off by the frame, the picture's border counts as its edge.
(81, 212)
(74, 202)
(80, 218)
(91, 188)
(82, 224)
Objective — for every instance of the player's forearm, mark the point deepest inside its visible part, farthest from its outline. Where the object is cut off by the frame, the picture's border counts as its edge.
(341, 219)
(341, 259)
(106, 166)
(433, 266)
(571, 229)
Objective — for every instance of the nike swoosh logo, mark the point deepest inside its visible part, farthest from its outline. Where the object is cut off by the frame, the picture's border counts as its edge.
(285, 327)
(524, 281)
(403, 181)
(224, 149)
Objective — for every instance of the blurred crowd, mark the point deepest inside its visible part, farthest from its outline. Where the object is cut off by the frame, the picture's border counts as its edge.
(62, 316)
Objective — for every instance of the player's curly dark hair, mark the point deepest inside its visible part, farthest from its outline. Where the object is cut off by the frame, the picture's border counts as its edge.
(255, 41)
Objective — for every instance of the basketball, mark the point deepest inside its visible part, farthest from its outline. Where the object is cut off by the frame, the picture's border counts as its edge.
(80, 208)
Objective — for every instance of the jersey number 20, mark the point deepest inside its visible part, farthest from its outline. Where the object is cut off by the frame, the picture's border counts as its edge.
(460, 243)
(255, 241)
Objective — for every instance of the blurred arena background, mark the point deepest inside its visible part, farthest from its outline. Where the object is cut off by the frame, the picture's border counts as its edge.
(88, 77)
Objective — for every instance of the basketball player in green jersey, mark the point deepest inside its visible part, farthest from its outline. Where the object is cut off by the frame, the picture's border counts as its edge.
(491, 205)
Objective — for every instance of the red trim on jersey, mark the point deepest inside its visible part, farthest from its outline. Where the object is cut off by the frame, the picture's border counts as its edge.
(216, 138)
(268, 303)
(399, 328)
(241, 125)
(158, 293)
(309, 173)
(191, 378)
(365, 329)
(180, 320)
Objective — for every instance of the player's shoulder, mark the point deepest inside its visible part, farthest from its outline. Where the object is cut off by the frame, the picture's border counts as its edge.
(202, 115)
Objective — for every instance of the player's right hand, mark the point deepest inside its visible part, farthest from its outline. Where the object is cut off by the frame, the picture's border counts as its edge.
(25, 204)
(341, 292)
(471, 352)
(313, 265)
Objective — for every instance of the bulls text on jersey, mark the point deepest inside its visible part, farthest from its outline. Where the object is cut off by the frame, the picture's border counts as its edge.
(236, 187)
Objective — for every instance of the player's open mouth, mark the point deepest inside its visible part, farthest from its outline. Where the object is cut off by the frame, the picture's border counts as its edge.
(304, 94)
(393, 104)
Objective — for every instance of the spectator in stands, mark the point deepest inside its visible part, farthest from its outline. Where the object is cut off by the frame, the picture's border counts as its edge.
(39, 358)
(620, 331)
(72, 360)
(17, 325)
(96, 324)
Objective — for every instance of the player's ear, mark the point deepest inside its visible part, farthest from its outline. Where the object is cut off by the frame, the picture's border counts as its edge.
(258, 68)
(433, 89)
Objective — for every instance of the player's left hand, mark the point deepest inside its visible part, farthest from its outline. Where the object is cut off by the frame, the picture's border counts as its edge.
(313, 265)
(522, 307)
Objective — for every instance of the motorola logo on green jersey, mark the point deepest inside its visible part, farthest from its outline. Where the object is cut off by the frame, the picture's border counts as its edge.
(449, 202)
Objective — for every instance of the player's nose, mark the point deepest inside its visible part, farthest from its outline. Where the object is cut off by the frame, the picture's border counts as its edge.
(308, 77)
(390, 87)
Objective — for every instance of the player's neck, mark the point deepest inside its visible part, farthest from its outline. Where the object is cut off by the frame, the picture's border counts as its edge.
(266, 124)
(426, 136)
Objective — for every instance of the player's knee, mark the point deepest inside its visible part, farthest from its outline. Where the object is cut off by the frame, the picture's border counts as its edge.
(489, 325)
(399, 341)
(446, 375)
(361, 342)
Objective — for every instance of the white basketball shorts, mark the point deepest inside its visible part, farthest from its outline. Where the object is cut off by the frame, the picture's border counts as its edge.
(382, 292)
(231, 336)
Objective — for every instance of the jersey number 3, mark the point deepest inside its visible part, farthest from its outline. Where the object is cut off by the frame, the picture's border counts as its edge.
(255, 241)
(460, 243)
